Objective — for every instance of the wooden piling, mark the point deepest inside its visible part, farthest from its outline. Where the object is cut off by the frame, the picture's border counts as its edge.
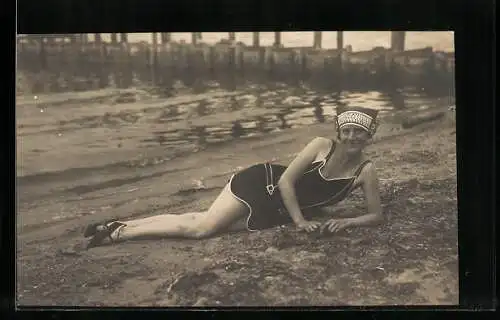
(398, 41)
(165, 37)
(40, 86)
(194, 37)
(154, 59)
(114, 38)
(73, 38)
(277, 39)
(100, 60)
(103, 74)
(317, 40)
(84, 38)
(232, 36)
(81, 65)
(127, 74)
(256, 39)
(340, 39)
(49, 39)
(123, 37)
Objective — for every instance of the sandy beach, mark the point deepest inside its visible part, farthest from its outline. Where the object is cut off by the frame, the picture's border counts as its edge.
(64, 184)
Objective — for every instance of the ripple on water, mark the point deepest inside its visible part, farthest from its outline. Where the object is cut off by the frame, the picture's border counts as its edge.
(261, 112)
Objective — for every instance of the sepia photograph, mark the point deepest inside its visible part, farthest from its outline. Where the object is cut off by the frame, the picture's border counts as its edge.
(236, 169)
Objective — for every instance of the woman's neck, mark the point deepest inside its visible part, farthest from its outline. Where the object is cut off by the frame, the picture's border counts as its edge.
(345, 158)
(342, 163)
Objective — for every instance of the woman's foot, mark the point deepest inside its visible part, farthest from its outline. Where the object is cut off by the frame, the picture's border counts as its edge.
(92, 229)
(100, 234)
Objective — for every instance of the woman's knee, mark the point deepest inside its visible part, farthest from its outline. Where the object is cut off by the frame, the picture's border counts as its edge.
(202, 231)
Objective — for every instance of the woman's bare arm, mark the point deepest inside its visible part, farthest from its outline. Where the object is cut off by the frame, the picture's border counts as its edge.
(368, 181)
(371, 190)
(335, 212)
(294, 171)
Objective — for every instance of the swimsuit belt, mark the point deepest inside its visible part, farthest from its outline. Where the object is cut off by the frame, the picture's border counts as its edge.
(270, 186)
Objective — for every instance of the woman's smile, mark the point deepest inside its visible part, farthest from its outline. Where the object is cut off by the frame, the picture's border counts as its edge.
(355, 142)
(354, 146)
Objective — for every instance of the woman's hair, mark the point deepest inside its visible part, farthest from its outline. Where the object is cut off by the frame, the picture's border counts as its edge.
(364, 118)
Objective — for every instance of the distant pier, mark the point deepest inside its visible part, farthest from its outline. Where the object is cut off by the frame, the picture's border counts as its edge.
(59, 63)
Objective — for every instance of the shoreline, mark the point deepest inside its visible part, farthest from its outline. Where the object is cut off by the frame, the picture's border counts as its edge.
(95, 135)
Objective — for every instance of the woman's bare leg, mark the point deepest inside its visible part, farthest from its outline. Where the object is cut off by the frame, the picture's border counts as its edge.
(238, 225)
(224, 211)
(162, 218)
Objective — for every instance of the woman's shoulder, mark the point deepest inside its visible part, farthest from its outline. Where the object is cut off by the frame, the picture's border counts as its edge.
(368, 170)
(327, 142)
(366, 173)
(322, 147)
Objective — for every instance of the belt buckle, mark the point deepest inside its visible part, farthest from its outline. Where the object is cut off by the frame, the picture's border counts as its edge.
(270, 189)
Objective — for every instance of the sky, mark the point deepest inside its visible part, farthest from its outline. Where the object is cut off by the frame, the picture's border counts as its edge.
(359, 40)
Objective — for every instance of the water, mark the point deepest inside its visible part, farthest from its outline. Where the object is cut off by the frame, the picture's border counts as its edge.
(155, 130)
(254, 114)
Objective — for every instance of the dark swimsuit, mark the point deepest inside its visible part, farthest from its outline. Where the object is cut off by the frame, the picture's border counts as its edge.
(257, 188)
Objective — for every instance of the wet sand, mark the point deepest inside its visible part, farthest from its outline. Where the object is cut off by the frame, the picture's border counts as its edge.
(412, 259)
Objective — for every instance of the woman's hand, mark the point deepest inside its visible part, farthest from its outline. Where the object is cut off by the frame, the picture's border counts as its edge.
(336, 225)
(308, 226)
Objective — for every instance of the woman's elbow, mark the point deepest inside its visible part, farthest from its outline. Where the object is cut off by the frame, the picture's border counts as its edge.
(379, 219)
(285, 183)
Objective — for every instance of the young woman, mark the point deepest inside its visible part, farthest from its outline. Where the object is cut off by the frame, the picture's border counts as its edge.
(265, 195)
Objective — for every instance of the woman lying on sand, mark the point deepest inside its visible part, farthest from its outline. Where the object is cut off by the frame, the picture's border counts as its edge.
(267, 195)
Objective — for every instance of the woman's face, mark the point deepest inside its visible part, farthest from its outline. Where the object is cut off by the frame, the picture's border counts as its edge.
(354, 138)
